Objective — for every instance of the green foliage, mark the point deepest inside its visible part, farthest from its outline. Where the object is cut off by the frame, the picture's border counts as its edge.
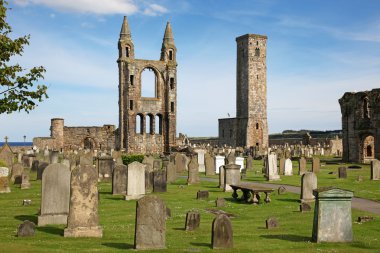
(17, 91)
(3, 163)
(127, 159)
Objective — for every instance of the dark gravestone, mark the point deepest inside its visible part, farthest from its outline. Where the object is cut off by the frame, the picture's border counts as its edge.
(35, 165)
(105, 165)
(150, 228)
(25, 184)
(220, 202)
(271, 223)
(119, 180)
(342, 172)
(222, 234)
(157, 164)
(41, 167)
(193, 220)
(27, 228)
(202, 195)
(17, 171)
(249, 162)
(159, 181)
(171, 174)
(168, 212)
(149, 180)
(305, 207)
(281, 190)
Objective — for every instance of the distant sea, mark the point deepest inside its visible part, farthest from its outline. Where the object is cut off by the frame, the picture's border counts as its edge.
(15, 144)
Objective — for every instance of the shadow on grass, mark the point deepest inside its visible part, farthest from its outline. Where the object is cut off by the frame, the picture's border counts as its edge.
(118, 245)
(32, 218)
(289, 200)
(291, 238)
(181, 229)
(201, 244)
(51, 230)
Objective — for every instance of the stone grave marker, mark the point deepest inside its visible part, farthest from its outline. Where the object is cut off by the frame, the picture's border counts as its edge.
(105, 166)
(119, 182)
(282, 166)
(219, 161)
(55, 195)
(35, 164)
(342, 172)
(135, 181)
(308, 184)
(222, 233)
(305, 207)
(7, 155)
(150, 225)
(210, 165)
(148, 177)
(232, 176)
(375, 169)
(271, 223)
(180, 162)
(288, 167)
(193, 220)
(83, 219)
(281, 190)
(221, 176)
(159, 181)
(193, 173)
(201, 159)
(54, 156)
(157, 164)
(202, 195)
(231, 159)
(25, 184)
(171, 174)
(302, 166)
(271, 168)
(27, 228)
(4, 185)
(41, 168)
(220, 202)
(17, 170)
(316, 165)
(249, 162)
(86, 159)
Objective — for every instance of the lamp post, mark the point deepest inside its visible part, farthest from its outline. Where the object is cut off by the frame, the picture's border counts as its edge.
(24, 139)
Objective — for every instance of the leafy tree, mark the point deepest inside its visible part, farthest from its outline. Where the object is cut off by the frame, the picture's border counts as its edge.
(17, 90)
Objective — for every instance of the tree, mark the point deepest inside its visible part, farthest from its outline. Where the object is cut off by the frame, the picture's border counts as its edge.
(17, 85)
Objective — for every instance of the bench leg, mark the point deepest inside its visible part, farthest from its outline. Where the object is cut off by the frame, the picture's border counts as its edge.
(267, 199)
(246, 196)
(255, 199)
(234, 194)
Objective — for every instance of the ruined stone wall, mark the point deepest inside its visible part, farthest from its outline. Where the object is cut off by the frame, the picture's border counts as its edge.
(360, 120)
(44, 142)
(85, 137)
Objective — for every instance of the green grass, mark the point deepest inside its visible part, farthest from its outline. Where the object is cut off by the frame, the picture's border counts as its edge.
(367, 188)
(117, 217)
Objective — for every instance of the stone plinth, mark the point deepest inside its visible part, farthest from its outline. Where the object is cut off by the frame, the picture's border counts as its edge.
(232, 176)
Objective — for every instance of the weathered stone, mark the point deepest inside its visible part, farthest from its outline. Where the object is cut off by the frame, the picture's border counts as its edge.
(282, 166)
(222, 174)
(4, 172)
(222, 233)
(288, 167)
(25, 184)
(342, 172)
(27, 228)
(17, 171)
(332, 215)
(105, 166)
(232, 176)
(119, 182)
(41, 168)
(375, 169)
(231, 158)
(316, 165)
(308, 184)
(54, 156)
(35, 164)
(201, 159)
(193, 173)
(159, 181)
(193, 220)
(305, 207)
(219, 161)
(4, 185)
(83, 219)
(281, 190)
(210, 165)
(271, 168)
(220, 202)
(271, 223)
(157, 164)
(55, 195)
(135, 181)
(26, 202)
(86, 159)
(180, 162)
(150, 228)
(202, 195)
(249, 162)
(302, 166)
(171, 174)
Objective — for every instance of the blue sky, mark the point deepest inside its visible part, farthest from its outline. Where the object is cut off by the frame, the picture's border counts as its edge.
(317, 50)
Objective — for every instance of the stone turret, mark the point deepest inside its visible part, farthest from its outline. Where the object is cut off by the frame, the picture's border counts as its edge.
(168, 49)
(56, 132)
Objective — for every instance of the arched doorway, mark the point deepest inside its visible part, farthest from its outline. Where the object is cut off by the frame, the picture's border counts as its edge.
(88, 143)
(368, 148)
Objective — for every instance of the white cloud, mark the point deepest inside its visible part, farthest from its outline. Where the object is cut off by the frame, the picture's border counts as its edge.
(155, 10)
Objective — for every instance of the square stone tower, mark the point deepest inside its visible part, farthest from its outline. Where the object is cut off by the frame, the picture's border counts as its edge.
(250, 127)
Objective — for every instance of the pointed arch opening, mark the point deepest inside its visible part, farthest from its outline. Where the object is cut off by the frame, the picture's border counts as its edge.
(148, 83)
(149, 124)
(139, 124)
(158, 124)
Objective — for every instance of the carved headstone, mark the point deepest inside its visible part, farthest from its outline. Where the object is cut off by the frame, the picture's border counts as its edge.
(17, 170)
(220, 202)
(193, 174)
(222, 234)
(150, 228)
(105, 166)
(302, 166)
(308, 184)
(27, 228)
(135, 181)
(316, 166)
(54, 156)
(159, 181)
(25, 184)
(222, 174)
(119, 182)
(271, 223)
(193, 220)
(171, 174)
(83, 219)
(210, 165)
(232, 176)
(375, 169)
(35, 164)
(219, 161)
(271, 167)
(202, 195)
(282, 166)
(249, 162)
(288, 167)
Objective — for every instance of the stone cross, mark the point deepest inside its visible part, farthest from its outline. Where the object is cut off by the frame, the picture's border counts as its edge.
(6, 139)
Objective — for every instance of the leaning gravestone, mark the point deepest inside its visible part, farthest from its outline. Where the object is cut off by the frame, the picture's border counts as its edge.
(193, 173)
(193, 220)
(25, 184)
(159, 181)
(308, 184)
(375, 169)
(55, 195)
(135, 181)
(222, 234)
(332, 215)
(316, 166)
(83, 219)
(302, 166)
(150, 224)
(288, 169)
(119, 182)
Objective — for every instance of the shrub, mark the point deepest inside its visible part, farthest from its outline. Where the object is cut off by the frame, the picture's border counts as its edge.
(127, 159)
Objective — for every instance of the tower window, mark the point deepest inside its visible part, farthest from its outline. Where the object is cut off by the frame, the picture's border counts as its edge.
(130, 104)
(171, 83)
(257, 125)
(172, 106)
(127, 51)
(257, 51)
(131, 79)
(170, 55)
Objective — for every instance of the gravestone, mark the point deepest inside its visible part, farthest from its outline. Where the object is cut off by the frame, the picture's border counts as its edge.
(41, 168)
(281, 190)
(288, 167)
(27, 228)
(201, 159)
(4, 172)
(316, 166)
(222, 174)
(232, 176)
(159, 181)
(240, 161)
(193, 173)
(219, 161)
(375, 169)
(83, 218)
(55, 195)
(4, 185)
(231, 159)
(210, 165)
(202, 195)
(105, 166)
(148, 177)
(135, 181)
(171, 174)
(26, 161)
(305, 207)
(180, 162)
(332, 215)
(342, 172)
(193, 220)
(282, 166)
(157, 164)
(117, 157)
(271, 223)
(17, 170)
(271, 167)
(7, 155)
(66, 162)
(308, 184)
(148, 161)
(150, 224)
(35, 164)
(86, 159)
(119, 182)
(25, 184)
(54, 156)
(302, 166)
(249, 162)
(222, 234)
(220, 202)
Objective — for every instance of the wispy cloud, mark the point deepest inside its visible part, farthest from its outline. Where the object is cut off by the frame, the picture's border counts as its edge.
(155, 10)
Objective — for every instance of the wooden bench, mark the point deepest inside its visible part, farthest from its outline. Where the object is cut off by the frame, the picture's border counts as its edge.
(251, 192)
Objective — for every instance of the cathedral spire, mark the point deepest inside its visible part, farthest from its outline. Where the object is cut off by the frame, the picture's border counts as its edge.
(125, 32)
(168, 49)
(168, 37)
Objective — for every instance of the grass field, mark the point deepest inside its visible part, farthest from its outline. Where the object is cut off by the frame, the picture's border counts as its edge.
(117, 219)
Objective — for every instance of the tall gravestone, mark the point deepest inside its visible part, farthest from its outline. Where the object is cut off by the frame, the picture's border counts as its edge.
(105, 166)
(221, 176)
(232, 176)
(375, 169)
(271, 167)
(316, 165)
(201, 159)
(308, 184)
(159, 181)
(83, 219)
(282, 166)
(288, 168)
(332, 215)
(119, 181)
(249, 162)
(150, 224)
(193, 176)
(25, 184)
(209, 164)
(135, 181)
(222, 234)
(171, 174)
(41, 168)
(55, 195)
(219, 161)
(302, 165)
